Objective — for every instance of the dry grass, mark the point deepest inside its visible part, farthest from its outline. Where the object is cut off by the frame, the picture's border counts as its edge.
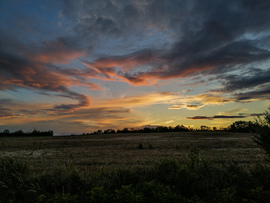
(121, 150)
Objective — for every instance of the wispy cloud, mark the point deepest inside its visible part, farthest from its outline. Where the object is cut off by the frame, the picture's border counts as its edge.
(195, 102)
(19, 72)
(240, 116)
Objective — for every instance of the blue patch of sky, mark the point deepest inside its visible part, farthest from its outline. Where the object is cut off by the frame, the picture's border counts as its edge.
(36, 20)
(31, 96)
(112, 46)
(21, 95)
(74, 64)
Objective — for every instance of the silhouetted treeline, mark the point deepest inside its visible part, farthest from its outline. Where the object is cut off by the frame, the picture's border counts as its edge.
(243, 126)
(238, 126)
(21, 133)
(178, 128)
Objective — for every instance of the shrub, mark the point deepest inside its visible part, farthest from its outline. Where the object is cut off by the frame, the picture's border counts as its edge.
(165, 169)
(168, 180)
(140, 146)
(13, 179)
(150, 146)
(262, 133)
(128, 194)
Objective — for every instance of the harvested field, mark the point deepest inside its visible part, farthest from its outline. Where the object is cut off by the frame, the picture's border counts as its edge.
(127, 150)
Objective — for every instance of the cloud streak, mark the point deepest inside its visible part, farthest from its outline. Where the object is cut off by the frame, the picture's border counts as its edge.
(20, 72)
(214, 117)
(223, 117)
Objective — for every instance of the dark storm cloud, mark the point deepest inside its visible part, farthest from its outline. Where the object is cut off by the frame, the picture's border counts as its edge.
(252, 78)
(210, 36)
(262, 93)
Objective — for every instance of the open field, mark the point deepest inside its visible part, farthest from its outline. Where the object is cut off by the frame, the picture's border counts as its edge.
(157, 167)
(127, 150)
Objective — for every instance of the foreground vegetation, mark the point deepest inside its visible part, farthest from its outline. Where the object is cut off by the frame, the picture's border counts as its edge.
(157, 167)
(193, 179)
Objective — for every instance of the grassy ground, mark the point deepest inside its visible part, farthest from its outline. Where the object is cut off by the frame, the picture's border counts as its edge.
(127, 150)
(162, 167)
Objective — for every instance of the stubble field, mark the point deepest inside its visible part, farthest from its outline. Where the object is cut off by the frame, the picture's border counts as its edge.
(129, 150)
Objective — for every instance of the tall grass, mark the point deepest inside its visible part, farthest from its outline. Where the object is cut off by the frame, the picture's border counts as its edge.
(194, 179)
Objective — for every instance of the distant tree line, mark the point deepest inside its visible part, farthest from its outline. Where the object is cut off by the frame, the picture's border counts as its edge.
(6, 132)
(238, 126)
(178, 128)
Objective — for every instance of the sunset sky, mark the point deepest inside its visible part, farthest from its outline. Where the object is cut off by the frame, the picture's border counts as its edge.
(78, 66)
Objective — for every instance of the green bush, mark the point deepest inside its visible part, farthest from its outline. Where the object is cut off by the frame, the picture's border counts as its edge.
(98, 195)
(128, 194)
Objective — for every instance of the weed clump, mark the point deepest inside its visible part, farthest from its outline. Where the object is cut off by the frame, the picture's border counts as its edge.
(150, 146)
(140, 146)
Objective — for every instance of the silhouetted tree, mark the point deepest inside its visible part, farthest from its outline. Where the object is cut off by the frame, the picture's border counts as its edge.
(19, 133)
(262, 133)
(181, 128)
(109, 131)
(204, 128)
(241, 126)
(6, 132)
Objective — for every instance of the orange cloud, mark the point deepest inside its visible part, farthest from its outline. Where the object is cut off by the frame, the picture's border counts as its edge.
(194, 102)
(79, 121)
(156, 66)
(150, 77)
(187, 106)
(29, 74)
(127, 62)
(140, 100)
(59, 56)
(113, 113)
